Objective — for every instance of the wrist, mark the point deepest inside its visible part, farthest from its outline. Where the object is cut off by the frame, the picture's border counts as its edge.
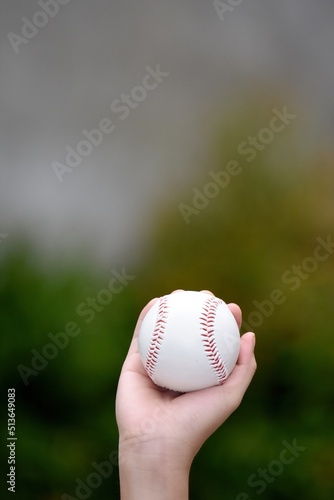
(152, 471)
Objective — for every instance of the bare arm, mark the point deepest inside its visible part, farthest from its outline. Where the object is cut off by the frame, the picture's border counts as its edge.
(160, 431)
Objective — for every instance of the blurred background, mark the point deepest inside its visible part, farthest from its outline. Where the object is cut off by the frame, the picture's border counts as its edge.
(207, 163)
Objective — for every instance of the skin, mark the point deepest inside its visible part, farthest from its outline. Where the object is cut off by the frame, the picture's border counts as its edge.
(161, 431)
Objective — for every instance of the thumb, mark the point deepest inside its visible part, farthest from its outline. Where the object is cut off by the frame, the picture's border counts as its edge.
(214, 405)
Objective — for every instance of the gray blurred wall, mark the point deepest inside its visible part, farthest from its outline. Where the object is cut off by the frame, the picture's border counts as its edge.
(85, 55)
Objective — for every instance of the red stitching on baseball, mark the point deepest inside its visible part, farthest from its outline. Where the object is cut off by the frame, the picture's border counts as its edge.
(157, 337)
(207, 320)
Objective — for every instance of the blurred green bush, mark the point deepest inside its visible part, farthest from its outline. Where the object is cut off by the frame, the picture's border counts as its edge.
(240, 245)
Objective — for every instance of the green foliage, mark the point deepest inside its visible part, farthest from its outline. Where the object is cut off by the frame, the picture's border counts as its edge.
(243, 245)
(240, 246)
(65, 411)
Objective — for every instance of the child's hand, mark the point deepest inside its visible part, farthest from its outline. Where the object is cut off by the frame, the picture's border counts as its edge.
(160, 428)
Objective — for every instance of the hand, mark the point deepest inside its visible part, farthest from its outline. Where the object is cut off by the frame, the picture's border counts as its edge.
(159, 428)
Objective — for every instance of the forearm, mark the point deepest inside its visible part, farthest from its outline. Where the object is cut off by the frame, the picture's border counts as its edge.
(151, 477)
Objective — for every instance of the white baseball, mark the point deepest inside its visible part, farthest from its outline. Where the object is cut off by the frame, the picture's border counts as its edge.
(189, 341)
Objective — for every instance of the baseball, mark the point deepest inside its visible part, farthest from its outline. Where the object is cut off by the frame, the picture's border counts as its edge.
(189, 341)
